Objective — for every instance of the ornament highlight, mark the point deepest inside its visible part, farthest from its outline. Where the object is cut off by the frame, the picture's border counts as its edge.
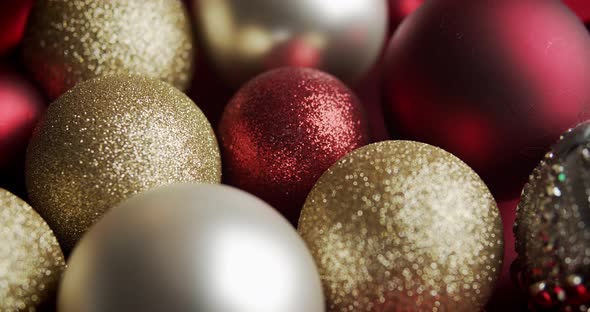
(69, 41)
(401, 225)
(244, 39)
(493, 82)
(192, 248)
(553, 227)
(283, 129)
(31, 261)
(109, 138)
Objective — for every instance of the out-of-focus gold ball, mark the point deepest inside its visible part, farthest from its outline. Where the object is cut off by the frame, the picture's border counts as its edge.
(109, 138)
(31, 261)
(401, 225)
(69, 41)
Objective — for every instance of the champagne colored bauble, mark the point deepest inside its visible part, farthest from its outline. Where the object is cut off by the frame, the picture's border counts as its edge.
(283, 129)
(494, 82)
(31, 261)
(246, 38)
(403, 226)
(69, 41)
(553, 227)
(192, 248)
(109, 138)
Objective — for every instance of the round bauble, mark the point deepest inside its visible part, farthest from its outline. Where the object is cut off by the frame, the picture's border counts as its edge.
(494, 82)
(580, 7)
(553, 227)
(192, 248)
(244, 39)
(13, 20)
(283, 129)
(109, 138)
(31, 261)
(21, 106)
(400, 225)
(69, 41)
(400, 9)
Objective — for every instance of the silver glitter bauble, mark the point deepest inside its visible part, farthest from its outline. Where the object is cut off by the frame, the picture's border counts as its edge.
(245, 38)
(192, 248)
(553, 227)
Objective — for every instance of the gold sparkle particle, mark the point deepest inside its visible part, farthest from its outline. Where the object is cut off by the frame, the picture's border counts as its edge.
(69, 41)
(403, 226)
(112, 137)
(31, 261)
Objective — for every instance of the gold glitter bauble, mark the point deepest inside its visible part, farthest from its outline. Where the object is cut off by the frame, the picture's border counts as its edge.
(403, 226)
(69, 41)
(31, 261)
(109, 138)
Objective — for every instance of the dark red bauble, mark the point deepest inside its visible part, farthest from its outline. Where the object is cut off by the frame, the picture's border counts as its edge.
(494, 82)
(283, 129)
(400, 9)
(21, 105)
(580, 7)
(13, 20)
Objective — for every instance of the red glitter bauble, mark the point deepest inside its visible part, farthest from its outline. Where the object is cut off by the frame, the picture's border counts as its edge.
(283, 129)
(580, 7)
(21, 105)
(13, 20)
(494, 82)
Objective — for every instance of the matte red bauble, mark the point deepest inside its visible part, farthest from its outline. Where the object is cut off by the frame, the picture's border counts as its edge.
(580, 7)
(494, 82)
(21, 105)
(283, 129)
(13, 19)
(400, 9)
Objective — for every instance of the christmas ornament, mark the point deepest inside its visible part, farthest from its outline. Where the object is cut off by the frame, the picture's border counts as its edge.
(71, 41)
(244, 39)
(580, 7)
(21, 106)
(31, 261)
(494, 82)
(283, 129)
(192, 248)
(400, 225)
(13, 19)
(109, 138)
(400, 9)
(553, 227)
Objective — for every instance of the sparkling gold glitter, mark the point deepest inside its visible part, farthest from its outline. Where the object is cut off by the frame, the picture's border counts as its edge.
(403, 226)
(31, 261)
(112, 137)
(69, 41)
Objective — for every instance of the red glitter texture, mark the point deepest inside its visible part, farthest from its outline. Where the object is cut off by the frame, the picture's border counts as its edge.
(283, 129)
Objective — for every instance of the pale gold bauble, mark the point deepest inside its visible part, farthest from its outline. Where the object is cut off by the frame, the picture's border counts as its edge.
(69, 41)
(31, 261)
(403, 226)
(109, 138)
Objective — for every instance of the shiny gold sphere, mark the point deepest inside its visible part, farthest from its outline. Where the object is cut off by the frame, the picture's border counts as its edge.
(69, 41)
(31, 261)
(112, 137)
(403, 226)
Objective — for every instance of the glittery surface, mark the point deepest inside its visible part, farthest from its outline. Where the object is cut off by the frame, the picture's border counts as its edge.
(553, 226)
(109, 138)
(283, 129)
(68, 41)
(31, 261)
(403, 226)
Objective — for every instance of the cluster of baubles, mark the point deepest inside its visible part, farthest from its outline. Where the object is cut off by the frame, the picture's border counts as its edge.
(123, 169)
